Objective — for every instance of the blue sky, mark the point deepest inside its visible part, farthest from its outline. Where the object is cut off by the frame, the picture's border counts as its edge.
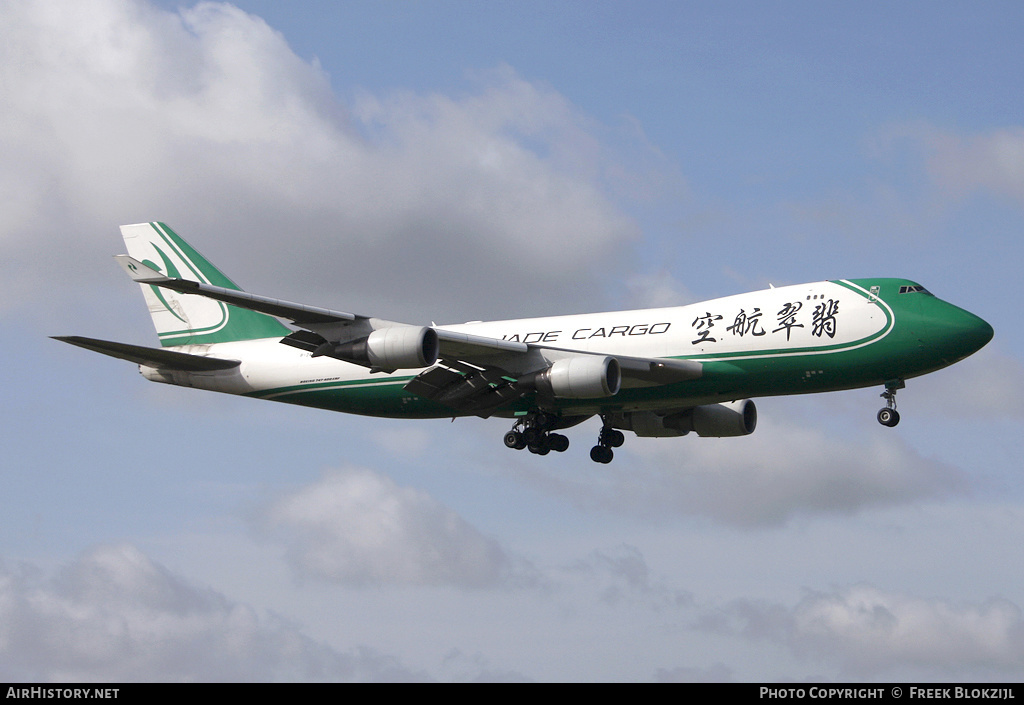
(451, 161)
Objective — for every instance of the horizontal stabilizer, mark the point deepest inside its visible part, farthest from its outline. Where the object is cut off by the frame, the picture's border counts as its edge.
(151, 357)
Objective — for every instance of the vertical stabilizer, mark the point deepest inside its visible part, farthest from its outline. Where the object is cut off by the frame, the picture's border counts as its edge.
(185, 319)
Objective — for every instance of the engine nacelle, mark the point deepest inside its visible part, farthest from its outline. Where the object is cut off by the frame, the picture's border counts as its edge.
(577, 377)
(736, 418)
(392, 348)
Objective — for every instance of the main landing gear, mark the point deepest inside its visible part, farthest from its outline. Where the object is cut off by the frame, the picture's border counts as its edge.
(533, 432)
(607, 439)
(889, 416)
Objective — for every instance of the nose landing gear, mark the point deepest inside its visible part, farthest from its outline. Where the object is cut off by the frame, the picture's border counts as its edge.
(889, 416)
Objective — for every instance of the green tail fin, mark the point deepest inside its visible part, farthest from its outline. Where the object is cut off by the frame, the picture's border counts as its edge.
(182, 319)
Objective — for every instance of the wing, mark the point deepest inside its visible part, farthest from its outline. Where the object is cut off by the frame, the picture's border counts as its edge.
(297, 313)
(321, 325)
(469, 373)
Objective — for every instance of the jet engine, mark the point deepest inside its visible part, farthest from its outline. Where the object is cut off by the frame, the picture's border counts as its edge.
(736, 418)
(577, 377)
(392, 348)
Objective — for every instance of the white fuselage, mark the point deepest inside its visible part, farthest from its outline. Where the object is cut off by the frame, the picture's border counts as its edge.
(802, 319)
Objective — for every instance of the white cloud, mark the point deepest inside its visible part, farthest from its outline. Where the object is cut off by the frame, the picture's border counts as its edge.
(956, 164)
(870, 630)
(357, 527)
(987, 385)
(115, 112)
(115, 615)
(993, 160)
(866, 631)
(623, 576)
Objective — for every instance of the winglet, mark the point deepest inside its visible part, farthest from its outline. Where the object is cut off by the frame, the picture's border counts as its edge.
(140, 272)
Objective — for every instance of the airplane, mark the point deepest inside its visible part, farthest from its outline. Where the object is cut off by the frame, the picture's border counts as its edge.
(658, 372)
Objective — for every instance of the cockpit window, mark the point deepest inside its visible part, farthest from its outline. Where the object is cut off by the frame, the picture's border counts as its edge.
(913, 289)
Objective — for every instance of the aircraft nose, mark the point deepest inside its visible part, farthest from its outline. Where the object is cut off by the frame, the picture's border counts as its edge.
(962, 332)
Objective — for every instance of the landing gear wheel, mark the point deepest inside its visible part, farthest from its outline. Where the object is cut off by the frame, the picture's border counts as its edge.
(515, 440)
(607, 438)
(611, 437)
(558, 442)
(533, 436)
(541, 448)
(535, 432)
(888, 417)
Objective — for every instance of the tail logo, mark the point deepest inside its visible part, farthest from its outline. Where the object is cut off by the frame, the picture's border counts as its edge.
(171, 271)
(180, 319)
